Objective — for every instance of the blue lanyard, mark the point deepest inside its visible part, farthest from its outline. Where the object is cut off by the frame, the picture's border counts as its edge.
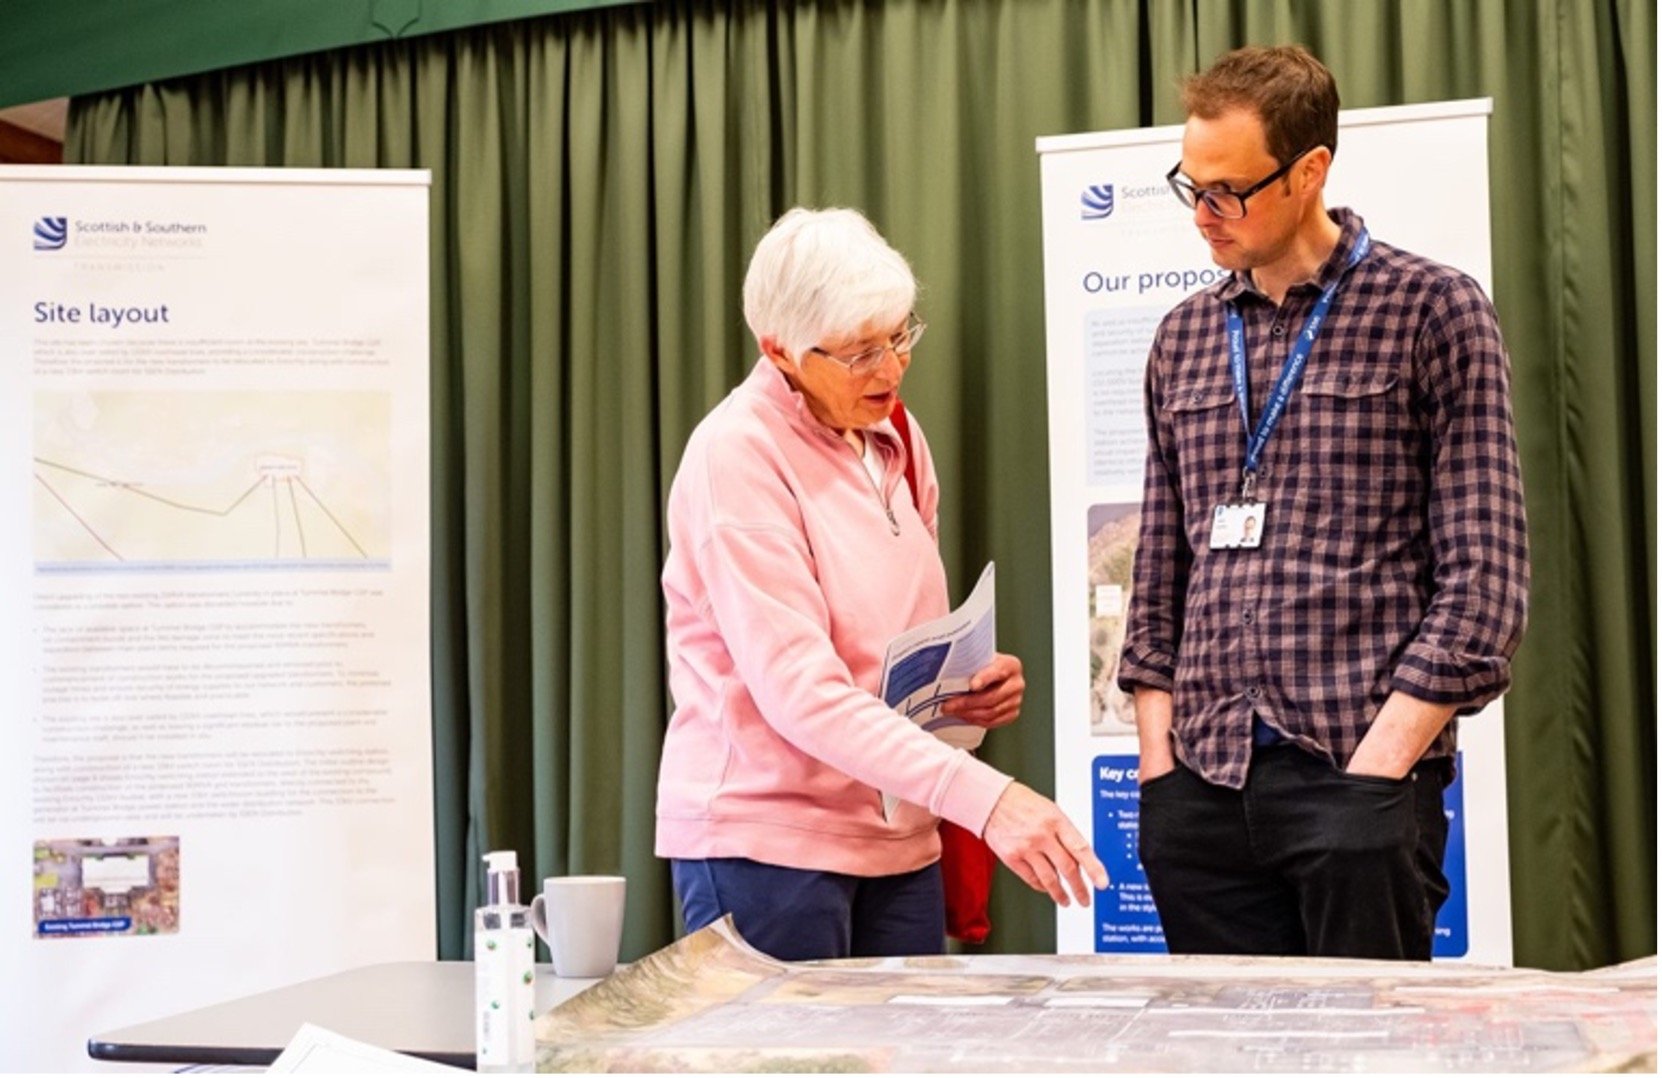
(1291, 372)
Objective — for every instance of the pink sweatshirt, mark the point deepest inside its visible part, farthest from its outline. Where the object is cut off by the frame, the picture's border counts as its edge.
(784, 585)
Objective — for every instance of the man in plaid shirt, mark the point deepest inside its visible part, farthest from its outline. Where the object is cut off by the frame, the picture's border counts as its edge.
(1332, 562)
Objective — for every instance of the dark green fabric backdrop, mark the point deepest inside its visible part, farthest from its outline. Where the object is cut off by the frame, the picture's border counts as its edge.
(599, 180)
(58, 48)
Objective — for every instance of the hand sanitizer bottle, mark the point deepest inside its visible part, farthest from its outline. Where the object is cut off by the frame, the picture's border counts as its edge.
(504, 972)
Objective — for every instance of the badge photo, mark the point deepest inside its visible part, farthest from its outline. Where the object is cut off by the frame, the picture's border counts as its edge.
(1237, 526)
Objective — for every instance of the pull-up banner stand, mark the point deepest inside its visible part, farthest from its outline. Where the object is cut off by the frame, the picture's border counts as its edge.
(1121, 251)
(214, 546)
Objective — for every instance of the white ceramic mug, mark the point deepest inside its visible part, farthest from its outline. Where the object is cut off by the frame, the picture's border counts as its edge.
(581, 920)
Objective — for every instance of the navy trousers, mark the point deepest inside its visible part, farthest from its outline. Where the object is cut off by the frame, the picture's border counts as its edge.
(799, 914)
(1304, 860)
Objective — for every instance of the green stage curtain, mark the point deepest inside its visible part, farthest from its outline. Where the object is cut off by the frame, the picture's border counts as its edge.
(599, 179)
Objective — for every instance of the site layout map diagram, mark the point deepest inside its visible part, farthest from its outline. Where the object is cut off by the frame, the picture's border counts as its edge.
(711, 1002)
(211, 479)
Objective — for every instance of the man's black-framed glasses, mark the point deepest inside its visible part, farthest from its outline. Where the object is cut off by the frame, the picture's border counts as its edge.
(865, 362)
(1230, 205)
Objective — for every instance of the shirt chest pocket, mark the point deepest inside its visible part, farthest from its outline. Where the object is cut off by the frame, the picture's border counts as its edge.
(1199, 399)
(1344, 390)
(1355, 427)
(1350, 404)
(1205, 429)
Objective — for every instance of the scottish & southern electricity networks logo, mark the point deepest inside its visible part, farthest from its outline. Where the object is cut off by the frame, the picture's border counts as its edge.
(1096, 202)
(51, 233)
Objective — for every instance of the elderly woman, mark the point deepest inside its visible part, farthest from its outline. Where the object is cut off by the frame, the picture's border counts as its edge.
(797, 553)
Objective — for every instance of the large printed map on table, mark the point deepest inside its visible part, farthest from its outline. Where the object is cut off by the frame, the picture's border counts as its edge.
(710, 1002)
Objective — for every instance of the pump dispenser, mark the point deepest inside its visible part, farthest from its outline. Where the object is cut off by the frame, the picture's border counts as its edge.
(504, 972)
(502, 878)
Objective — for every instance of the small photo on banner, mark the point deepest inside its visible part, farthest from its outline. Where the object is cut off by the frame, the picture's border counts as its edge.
(1111, 546)
(96, 887)
(1126, 919)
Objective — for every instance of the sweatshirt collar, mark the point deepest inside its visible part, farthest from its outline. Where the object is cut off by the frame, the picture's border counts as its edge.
(769, 383)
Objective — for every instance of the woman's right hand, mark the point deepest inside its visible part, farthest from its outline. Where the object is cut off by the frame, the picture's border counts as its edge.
(1030, 835)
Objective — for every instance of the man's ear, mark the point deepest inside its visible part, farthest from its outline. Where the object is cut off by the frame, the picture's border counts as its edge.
(1313, 168)
(775, 353)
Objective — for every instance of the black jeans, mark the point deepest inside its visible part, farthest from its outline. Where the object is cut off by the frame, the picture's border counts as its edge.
(1305, 860)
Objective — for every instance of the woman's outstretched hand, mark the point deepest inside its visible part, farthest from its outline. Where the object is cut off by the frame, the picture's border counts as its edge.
(1030, 835)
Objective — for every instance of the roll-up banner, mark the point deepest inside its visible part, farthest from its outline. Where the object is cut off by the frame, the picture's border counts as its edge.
(214, 546)
(1120, 251)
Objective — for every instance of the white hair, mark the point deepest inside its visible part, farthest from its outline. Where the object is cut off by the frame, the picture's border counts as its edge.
(822, 274)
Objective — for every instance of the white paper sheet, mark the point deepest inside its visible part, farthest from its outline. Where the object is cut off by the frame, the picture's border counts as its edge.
(315, 1050)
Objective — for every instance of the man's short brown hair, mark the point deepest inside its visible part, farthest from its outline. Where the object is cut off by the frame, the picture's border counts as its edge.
(1289, 90)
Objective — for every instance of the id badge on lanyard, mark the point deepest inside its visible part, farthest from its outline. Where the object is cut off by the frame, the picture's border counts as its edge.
(1239, 524)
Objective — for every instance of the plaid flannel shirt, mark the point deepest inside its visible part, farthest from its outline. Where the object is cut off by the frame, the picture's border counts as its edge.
(1394, 553)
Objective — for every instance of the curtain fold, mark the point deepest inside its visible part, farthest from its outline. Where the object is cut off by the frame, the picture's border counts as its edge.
(599, 180)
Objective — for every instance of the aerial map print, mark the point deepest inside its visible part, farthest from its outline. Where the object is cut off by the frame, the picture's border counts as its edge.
(711, 1002)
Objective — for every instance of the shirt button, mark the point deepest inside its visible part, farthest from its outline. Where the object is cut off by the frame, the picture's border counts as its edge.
(1246, 616)
(1252, 692)
(1276, 331)
(1194, 397)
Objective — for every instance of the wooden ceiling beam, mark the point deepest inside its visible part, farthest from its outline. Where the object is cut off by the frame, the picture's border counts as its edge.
(20, 146)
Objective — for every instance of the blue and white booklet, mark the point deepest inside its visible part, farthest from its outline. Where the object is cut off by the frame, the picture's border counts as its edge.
(929, 664)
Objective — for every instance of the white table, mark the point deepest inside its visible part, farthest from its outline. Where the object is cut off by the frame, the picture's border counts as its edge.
(420, 1008)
